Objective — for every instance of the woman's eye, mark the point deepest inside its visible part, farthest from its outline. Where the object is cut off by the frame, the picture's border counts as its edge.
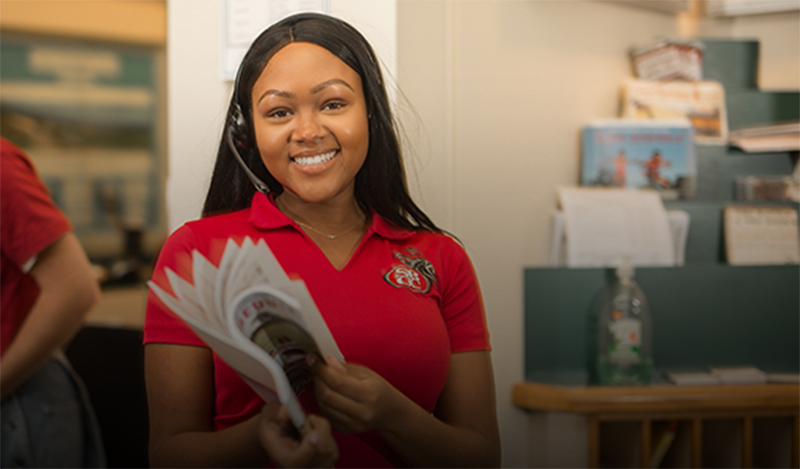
(333, 105)
(278, 113)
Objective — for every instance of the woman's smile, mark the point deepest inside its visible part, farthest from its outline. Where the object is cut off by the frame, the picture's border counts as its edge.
(314, 160)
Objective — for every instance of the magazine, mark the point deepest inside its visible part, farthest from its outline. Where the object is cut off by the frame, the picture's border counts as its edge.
(702, 102)
(669, 59)
(259, 321)
(634, 154)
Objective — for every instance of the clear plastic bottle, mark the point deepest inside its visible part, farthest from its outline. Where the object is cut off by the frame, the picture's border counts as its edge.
(624, 333)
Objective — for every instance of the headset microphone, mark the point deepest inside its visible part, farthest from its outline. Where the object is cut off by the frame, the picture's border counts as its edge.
(238, 126)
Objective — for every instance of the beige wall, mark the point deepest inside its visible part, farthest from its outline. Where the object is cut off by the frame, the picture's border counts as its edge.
(496, 94)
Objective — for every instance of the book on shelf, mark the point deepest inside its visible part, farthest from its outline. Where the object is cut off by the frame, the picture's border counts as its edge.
(758, 235)
(769, 138)
(259, 321)
(669, 59)
(654, 154)
(663, 443)
(702, 102)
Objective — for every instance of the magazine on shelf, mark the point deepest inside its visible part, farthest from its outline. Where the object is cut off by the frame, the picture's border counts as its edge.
(259, 321)
(702, 102)
(635, 154)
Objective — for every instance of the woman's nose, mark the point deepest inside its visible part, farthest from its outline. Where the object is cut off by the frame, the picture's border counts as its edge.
(309, 128)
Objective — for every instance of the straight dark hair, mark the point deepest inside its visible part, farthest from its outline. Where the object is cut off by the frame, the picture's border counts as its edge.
(380, 184)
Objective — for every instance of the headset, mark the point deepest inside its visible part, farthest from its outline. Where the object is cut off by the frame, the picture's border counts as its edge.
(236, 135)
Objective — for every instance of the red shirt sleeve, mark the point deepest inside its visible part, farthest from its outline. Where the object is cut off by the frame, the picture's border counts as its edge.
(462, 303)
(30, 220)
(161, 325)
(29, 223)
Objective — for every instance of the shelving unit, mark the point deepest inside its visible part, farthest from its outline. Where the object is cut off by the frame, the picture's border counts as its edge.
(718, 426)
(705, 313)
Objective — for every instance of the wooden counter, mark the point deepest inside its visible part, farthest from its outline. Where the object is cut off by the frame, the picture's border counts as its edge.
(693, 405)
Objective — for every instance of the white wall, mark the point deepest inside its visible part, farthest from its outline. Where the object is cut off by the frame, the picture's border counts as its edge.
(197, 98)
(497, 92)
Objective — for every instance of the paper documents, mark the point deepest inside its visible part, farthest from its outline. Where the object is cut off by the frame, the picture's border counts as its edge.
(260, 322)
(605, 226)
(757, 235)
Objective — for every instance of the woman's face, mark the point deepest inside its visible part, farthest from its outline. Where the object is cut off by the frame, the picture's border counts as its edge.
(310, 122)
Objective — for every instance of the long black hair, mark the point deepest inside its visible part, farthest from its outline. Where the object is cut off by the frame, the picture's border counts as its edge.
(380, 184)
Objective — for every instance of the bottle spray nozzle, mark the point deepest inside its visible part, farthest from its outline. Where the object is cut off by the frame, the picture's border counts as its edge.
(625, 270)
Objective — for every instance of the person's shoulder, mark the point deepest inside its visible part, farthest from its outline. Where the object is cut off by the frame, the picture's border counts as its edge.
(219, 226)
(440, 243)
(13, 157)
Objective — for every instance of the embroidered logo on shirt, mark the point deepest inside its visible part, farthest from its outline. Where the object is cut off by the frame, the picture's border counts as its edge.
(415, 272)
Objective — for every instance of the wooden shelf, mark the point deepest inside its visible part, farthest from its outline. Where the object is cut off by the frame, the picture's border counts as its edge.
(601, 399)
(718, 422)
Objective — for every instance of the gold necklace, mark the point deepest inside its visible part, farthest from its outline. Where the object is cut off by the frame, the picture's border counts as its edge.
(329, 236)
(306, 225)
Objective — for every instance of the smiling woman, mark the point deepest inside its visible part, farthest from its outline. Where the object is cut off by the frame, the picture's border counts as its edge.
(310, 124)
(310, 164)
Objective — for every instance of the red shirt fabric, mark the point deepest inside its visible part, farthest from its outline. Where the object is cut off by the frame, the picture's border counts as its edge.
(401, 306)
(29, 223)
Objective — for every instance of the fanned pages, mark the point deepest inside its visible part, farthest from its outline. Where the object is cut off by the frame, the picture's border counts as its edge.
(258, 320)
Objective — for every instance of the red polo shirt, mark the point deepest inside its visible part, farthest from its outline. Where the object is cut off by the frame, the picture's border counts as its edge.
(401, 306)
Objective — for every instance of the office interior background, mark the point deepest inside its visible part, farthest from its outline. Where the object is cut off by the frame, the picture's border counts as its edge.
(491, 95)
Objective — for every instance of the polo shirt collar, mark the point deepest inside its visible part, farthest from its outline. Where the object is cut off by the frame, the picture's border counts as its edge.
(264, 214)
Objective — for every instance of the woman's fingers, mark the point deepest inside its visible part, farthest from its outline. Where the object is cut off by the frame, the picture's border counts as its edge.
(316, 448)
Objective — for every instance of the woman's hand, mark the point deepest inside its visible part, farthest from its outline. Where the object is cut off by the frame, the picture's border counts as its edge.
(317, 448)
(354, 398)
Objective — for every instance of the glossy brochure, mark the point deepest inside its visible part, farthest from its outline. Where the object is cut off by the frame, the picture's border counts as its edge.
(228, 304)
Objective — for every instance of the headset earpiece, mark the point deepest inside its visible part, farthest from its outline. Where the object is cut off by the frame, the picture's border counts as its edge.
(236, 135)
(238, 125)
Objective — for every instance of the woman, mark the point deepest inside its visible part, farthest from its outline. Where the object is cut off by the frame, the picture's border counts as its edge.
(321, 181)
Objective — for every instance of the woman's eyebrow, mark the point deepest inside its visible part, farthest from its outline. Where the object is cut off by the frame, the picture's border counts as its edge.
(279, 93)
(314, 90)
(328, 83)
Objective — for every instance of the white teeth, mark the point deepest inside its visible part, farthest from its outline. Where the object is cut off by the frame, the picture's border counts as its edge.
(309, 160)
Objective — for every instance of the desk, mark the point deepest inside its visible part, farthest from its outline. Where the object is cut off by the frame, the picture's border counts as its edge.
(723, 425)
(120, 307)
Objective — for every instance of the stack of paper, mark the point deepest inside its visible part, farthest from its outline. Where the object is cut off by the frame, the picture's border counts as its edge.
(692, 378)
(739, 375)
(606, 226)
(781, 137)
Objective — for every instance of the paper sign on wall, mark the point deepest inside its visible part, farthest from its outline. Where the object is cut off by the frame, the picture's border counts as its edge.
(244, 20)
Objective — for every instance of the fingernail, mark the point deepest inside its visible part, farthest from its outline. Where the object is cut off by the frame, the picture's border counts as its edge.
(311, 359)
(313, 437)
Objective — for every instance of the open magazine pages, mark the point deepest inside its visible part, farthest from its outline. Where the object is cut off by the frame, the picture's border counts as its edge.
(257, 319)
